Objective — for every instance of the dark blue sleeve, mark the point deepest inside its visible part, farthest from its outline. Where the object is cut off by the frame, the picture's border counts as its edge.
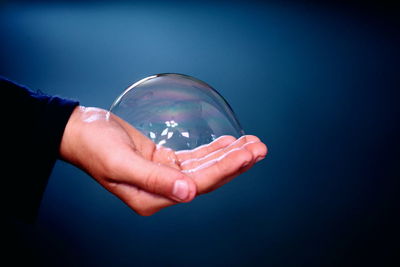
(34, 124)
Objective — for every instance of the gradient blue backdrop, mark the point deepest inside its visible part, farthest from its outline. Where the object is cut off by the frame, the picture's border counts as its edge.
(318, 83)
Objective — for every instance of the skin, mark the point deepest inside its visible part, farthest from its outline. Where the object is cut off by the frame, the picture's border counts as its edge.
(146, 177)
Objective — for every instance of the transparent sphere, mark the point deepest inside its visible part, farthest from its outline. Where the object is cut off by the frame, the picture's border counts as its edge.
(176, 111)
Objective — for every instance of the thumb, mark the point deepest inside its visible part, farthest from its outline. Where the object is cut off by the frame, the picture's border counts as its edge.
(156, 178)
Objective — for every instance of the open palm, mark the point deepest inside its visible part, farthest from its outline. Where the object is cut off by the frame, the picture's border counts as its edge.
(149, 177)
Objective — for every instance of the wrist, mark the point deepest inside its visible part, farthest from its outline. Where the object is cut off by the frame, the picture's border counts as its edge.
(66, 151)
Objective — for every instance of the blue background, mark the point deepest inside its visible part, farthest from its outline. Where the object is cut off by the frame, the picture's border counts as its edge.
(318, 83)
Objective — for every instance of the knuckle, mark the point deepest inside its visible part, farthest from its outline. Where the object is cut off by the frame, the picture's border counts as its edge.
(151, 181)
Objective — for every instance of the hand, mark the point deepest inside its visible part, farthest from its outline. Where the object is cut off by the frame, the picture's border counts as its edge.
(149, 177)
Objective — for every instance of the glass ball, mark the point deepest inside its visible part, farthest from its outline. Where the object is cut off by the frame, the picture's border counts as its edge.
(176, 111)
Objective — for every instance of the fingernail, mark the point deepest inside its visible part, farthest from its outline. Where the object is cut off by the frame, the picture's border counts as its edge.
(181, 189)
(259, 159)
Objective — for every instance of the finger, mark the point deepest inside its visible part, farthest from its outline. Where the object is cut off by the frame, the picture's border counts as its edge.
(213, 172)
(193, 163)
(259, 151)
(142, 202)
(203, 150)
(152, 177)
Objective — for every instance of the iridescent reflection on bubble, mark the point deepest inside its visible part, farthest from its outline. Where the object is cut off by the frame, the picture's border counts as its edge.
(176, 111)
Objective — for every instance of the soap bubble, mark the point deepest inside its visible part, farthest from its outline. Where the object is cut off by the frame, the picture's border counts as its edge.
(176, 111)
